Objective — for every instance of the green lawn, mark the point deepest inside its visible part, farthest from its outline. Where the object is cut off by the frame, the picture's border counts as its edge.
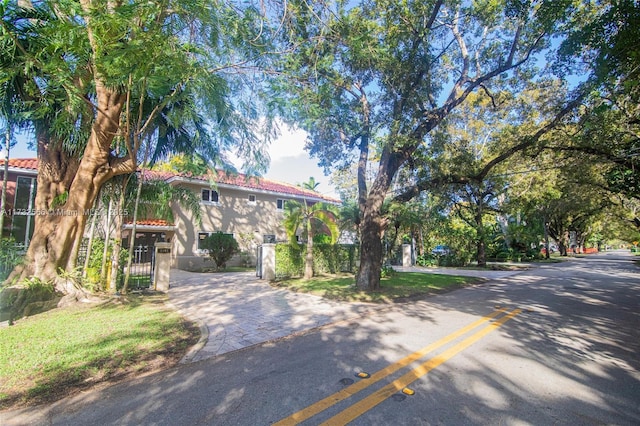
(400, 285)
(50, 355)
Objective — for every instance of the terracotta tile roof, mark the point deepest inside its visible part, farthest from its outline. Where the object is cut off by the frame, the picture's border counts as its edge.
(150, 222)
(239, 180)
(22, 163)
(258, 183)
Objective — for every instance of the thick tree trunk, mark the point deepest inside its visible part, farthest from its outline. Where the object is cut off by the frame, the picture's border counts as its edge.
(368, 277)
(59, 227)
(373, 225)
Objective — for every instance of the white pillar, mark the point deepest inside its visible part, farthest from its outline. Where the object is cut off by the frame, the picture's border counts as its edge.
(406, 255)
(162, 268)
(269, 262)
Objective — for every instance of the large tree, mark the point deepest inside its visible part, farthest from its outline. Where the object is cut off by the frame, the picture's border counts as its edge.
(109, 69)
(380, 76)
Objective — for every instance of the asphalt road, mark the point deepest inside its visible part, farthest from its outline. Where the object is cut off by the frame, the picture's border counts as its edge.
(559, 344)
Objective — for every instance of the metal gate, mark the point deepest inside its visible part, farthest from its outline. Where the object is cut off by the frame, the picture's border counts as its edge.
(142, 267)
(259, 262)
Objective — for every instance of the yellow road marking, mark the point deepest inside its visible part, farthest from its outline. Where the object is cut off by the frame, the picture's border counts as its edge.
(359, 408)
(342, 394)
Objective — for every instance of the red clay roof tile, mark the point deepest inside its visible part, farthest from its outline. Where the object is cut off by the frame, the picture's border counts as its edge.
(22, 163)
(239, 180)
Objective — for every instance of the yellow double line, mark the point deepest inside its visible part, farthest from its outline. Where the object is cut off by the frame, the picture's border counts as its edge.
(377, 397)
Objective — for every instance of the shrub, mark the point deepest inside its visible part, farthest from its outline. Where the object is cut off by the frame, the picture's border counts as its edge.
(327, 258)
(11, 255)
(289, 260)
(221, 247)
(426, 260)
(387, 271)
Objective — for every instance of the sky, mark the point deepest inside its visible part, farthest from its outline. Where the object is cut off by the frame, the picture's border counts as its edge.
(290, 163)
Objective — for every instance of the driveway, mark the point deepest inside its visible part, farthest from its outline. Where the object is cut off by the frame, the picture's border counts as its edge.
(236, 310)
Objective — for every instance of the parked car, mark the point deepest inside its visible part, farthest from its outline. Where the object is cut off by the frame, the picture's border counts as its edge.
(441, 251)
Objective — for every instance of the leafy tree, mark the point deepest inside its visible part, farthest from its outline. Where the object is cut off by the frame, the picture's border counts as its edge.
(221, 248)
(184, 163)
(126, 66)
(381, 75)
(309, 216)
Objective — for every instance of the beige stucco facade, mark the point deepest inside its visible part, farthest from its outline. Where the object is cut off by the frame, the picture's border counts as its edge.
(252, 215)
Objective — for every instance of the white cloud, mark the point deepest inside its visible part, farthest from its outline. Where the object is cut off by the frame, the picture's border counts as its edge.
(290, 143)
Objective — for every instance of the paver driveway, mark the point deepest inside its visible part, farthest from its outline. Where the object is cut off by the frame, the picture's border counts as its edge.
(238, 310)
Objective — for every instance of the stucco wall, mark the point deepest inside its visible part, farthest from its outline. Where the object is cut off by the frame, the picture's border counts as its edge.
(233, 214)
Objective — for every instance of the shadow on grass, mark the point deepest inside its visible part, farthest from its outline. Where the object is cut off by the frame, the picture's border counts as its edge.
(400, 286)
(128, 336)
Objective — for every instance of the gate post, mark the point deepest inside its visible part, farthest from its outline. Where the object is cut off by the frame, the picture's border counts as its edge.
(406, 255)
(269, 262)
(162, 267)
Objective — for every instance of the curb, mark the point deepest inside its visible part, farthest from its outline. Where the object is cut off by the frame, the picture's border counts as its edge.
(204, 336)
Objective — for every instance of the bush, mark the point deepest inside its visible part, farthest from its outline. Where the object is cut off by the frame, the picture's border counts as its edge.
(426, 260)
(11, 255)
(221, 247)
(289, 261)
(387, 271)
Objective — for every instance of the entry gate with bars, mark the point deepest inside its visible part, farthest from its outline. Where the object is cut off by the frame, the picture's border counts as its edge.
(142, 266)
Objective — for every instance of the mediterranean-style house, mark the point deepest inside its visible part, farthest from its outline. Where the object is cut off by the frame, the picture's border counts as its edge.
(250, 208)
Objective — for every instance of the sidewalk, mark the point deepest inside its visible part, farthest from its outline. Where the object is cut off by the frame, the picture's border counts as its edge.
(237, 310)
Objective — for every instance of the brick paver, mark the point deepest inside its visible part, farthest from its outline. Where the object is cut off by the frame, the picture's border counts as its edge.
(239, 310)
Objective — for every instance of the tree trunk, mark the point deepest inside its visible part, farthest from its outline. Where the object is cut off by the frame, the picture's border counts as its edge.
(132, 238)
(117, 241)
(562, 248)
(59, 228)
(308, 262)
(92, 232)
(104, 271)
(3, 198)
(481, 255)
(372, 227)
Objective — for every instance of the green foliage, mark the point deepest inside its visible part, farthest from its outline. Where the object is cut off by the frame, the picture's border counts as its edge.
(38, 287)
(92, 279)
(221, 248)
(289, 260)
(327, 259)
(387, 271)
(10, 256)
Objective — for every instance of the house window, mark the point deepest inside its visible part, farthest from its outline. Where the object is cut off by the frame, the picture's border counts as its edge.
(252, 199)
(22, 222)
(202, 236)
(280, 204)
(209, 196)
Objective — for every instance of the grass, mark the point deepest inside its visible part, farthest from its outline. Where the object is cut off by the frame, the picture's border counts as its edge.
(57, 353)
(400, 285)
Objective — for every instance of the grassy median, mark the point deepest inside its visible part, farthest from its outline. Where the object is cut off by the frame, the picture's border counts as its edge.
(398, 286)
(56, 353)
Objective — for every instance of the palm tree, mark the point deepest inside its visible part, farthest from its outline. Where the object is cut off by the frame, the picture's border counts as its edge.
(305, 216)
